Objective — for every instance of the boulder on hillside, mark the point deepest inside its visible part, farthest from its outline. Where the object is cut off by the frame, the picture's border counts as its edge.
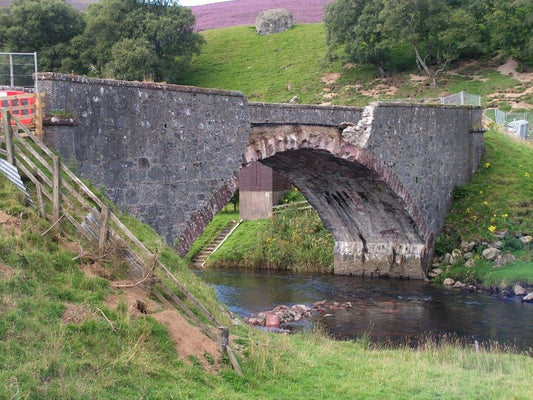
(273, 21)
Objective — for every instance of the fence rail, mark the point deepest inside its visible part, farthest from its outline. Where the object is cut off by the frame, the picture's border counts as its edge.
(63, 198)
(293, 206)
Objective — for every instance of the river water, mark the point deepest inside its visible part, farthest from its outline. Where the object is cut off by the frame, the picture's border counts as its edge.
(385, 310)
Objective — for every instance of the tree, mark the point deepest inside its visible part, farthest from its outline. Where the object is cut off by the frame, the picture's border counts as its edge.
(511, 29)
(417, 22)
(45, 26)
(438, 31)
(158, 34)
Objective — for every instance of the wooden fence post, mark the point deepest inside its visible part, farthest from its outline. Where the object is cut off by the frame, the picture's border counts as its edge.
(40, 200)
(222, 338)
(9, 137)
(39, 104)
(56, 191)
(102, 232)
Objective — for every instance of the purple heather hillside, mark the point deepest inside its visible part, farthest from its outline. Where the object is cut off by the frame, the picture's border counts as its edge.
(239, 12)
(244, 12)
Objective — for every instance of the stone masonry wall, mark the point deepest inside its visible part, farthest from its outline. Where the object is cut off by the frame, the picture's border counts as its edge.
(430, 149)
(264, 113)
(167, 154)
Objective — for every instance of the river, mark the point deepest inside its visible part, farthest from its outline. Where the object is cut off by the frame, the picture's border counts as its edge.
(385, 310)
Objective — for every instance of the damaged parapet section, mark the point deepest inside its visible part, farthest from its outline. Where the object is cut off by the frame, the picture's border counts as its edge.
(385, 259)
(359, 134)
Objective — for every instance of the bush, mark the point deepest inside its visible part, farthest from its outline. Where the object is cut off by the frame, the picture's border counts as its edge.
(446, 242)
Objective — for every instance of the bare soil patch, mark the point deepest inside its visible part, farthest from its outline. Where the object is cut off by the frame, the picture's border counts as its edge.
(9, 223)
(6, 272)
(331, 78)
(509, 68)
(137, 300)
(189, 341)
(77, 314)
(418, 78)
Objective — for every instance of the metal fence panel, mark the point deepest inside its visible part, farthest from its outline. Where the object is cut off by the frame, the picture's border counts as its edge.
(19, 70)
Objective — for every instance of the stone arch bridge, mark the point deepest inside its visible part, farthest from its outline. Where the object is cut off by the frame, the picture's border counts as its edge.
(380, 177)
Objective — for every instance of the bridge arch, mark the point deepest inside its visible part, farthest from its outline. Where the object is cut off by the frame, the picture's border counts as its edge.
(375, 223)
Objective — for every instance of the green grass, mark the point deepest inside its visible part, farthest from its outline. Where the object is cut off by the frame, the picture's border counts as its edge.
(271, 68)
(485, 83)
(499, 195)
(291, 240)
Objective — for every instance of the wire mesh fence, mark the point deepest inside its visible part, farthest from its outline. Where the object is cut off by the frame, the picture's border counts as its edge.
(19, 70)
(461, 99)
(505, 117)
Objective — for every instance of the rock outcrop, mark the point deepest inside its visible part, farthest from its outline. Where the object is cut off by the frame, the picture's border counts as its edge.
(273, 21)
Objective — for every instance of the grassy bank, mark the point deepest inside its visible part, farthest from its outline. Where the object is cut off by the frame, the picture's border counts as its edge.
(498, 199)
(270, 68)
(101, 351)
(291, 240)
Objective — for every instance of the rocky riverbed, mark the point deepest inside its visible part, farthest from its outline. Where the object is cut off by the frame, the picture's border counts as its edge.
(282, 315)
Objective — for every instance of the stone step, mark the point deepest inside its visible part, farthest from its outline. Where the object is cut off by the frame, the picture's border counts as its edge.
(206, 252)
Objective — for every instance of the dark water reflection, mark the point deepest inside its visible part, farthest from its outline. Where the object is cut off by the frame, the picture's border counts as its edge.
(384, 309)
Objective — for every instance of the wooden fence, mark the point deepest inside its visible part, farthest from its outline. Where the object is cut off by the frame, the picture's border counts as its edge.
(63, 198)
(293, 206)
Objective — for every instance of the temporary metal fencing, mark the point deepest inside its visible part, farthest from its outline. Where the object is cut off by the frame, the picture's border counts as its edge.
(461, 99)
(19, 70)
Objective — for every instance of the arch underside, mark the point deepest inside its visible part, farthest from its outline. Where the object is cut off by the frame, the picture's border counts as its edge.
(373, 232)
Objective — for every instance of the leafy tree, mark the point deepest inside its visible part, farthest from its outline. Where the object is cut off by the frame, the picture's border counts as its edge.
(438, 31)
(511, 28)
(45, 26)
(136, 40)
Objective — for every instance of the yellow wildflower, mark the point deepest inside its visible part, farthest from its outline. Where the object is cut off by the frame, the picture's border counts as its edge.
(487, 164)
(527, 175)
(485, 203)
(492, 228)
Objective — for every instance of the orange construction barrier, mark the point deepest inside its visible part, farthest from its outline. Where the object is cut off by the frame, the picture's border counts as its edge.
(20, 104)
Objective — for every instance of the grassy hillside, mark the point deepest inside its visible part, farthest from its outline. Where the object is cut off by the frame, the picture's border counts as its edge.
(67, 334)
(271, 68)
(275, 68)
